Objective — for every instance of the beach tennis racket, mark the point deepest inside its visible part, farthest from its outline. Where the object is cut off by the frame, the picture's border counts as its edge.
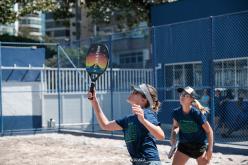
(96, 63)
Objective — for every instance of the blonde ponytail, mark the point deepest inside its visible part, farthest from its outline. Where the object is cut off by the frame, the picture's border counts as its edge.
(154, 94)
(201, 108)
(156, 106)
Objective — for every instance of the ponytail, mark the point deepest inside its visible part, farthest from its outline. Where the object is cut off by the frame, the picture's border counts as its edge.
(154, 95)
(155, 106)
(201, 108)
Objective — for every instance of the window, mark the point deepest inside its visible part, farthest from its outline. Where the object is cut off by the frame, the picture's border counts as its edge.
(73, 33)
(61, 33)
(180, 75)
(56, 24)
(28, 29)
(232, 74)
(30, 22)
(49, 15)
(134, 59)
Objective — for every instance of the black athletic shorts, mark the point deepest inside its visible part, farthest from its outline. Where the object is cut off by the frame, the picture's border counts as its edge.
(193, 150)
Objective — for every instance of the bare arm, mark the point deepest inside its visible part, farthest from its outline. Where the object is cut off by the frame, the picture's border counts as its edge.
(103, 121)
(174, 132)
(155, 130)
(207, 128)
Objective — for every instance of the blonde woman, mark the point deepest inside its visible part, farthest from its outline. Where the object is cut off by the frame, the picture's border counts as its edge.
(195, 133)
(141, 129)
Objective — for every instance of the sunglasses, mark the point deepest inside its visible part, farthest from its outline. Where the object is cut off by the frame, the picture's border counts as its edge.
(186, 95)
(134, 92)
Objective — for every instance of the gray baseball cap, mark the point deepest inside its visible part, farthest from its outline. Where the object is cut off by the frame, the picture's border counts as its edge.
(142, 88)
(189, 90)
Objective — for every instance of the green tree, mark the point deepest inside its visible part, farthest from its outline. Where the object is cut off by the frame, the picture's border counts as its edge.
(9, 15)
(125, 12)
(76, 55)
(128, 12)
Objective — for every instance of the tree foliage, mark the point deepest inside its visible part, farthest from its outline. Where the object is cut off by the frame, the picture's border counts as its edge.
(9, 15)
(76, 55)
(128, 12)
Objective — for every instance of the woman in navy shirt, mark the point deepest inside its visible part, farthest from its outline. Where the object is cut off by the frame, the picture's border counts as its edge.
(194, 130)
(141, 129)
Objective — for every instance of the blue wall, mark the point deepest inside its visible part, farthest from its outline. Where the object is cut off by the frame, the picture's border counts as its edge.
(201, 38)
(22, 56)
(165, 114)
(20, 122)
(230, 36)
(183, 10)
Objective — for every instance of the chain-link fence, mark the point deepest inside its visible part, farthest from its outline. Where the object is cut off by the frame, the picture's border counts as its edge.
(44, 87)
(210, 55)
(47, 90)
(129, 63)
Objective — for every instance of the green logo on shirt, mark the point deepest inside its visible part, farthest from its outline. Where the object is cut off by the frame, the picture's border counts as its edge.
(188, 126)
(130, 133)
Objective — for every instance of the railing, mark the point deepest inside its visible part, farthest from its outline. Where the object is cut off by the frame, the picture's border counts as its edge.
(77, 80)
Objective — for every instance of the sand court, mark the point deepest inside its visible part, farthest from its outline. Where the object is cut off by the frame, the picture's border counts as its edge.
(66, 149)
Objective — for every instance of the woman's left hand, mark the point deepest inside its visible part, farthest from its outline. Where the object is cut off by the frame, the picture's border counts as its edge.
(137, 110)
(208, 155)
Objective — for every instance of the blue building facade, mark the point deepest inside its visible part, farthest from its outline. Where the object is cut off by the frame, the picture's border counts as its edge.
(201, 44)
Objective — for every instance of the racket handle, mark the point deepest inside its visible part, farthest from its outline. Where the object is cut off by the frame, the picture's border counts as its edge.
(92, 86)
(172, 150)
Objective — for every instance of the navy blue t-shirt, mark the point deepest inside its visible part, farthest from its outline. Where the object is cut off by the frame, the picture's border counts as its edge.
(141, 144)
(190, 125)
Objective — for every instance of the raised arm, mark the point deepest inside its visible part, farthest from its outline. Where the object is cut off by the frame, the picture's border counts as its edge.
(103, 121)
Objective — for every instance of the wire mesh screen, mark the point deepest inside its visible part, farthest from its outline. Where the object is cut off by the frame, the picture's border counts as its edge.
(230, 73)
(129, 63)
(209, 55)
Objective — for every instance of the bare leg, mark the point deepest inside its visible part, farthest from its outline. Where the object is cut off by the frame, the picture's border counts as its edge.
(180, 158)
(201, 160)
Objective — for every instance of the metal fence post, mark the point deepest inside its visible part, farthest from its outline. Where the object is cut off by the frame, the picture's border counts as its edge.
(93, 113)
(111, 78)
(212, 86)
(58, 88)
(1, 108)
(154, 55)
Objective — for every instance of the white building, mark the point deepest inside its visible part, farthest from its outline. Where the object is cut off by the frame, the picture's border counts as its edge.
(30, 25)
(11, 29)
